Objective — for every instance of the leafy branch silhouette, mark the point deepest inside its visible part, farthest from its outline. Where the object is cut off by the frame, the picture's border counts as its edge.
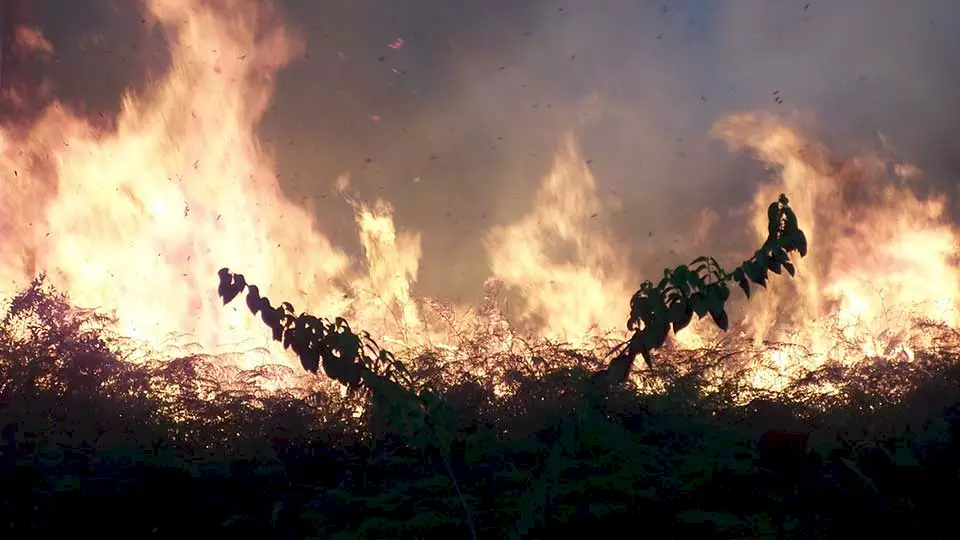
(701, 288)
(356, 361)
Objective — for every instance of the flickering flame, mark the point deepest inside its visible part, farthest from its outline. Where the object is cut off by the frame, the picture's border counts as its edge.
(562, 259)
(136, 220)
(880, 257)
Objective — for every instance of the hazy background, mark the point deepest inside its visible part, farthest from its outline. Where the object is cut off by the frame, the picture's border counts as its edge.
(475, 101)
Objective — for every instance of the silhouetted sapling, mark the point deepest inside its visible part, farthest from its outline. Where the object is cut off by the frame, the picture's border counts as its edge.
(699, 288)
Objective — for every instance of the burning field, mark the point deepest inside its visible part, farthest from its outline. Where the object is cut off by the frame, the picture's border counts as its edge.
(495, 292)
(135, 215)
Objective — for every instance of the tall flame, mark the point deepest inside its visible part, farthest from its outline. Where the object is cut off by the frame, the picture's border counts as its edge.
(881, 258)
(562, 258)
(137, 219)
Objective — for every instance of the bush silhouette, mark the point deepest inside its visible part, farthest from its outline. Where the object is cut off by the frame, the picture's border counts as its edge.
(162, 449)
(356, 361)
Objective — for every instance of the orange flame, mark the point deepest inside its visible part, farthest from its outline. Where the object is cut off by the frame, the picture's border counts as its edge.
(880, 257)
(562, 258)
(137, 220)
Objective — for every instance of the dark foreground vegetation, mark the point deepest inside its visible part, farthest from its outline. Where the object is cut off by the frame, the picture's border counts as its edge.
(92, 444)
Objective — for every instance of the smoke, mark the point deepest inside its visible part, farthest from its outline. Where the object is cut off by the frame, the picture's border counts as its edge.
(452, 109)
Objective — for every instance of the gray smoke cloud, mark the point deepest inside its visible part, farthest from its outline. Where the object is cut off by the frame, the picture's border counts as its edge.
(474, 102)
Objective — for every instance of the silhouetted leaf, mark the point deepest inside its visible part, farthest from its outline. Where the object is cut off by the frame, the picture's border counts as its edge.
(223, 288)
(335, 368)
(680, 315)
(762, 260)
(773, 219)
(699, 304)
(801, 241)
(230, 285)
(679, 277)
(253, 299)
(790, 224)
(724, 292)
(720, 318)
(310, 360)
(755, 272)
(762, 278)
(277, 327)
(741, 279)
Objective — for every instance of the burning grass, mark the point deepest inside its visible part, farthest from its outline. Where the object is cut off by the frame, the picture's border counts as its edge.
(175, 447)
(160, 436)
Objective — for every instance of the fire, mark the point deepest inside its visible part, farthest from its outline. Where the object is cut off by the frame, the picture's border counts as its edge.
(562, 258)
(392, 261)
(137, 218)
(881, 258)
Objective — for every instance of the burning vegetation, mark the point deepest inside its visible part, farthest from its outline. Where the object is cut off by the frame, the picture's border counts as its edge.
(136, 387)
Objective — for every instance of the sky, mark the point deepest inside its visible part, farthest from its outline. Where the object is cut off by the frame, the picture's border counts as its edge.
(475, 102)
